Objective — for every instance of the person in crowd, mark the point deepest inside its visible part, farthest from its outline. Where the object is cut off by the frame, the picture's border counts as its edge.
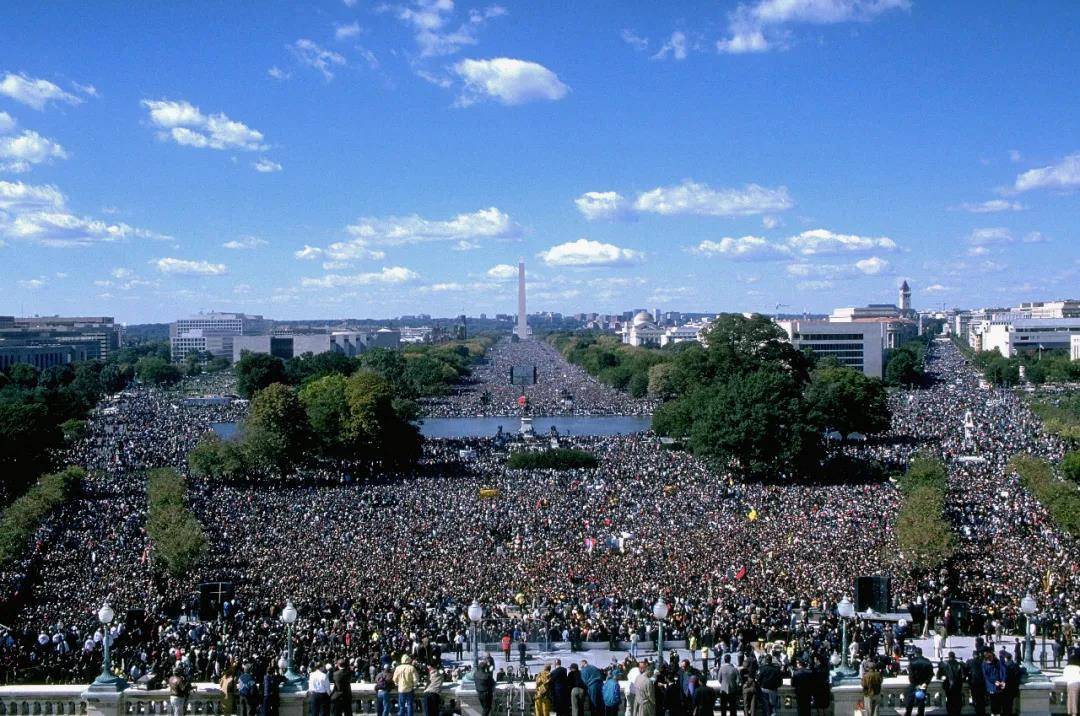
(341, 695)
(612, 692)
(542, 692)
(484, 680)
(871, 689)
(384, 684)
(1071, 676)
(803, 683)
(405, 678)
(951, 672)
(433, 691)
(180, 688)
(770, 679)
(645, 693)
(271, 691)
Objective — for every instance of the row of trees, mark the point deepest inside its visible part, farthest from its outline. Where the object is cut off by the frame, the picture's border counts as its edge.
(620, 366)
(923, 530)
(23, 516)
(352, 418)
(905, 365)
(177, 536)
(414, 371)
(749, 400)
(1051, 366)
(1060, 413)
(1061, 498)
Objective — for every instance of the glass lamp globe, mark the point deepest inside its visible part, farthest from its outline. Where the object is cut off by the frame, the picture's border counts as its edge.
(845, 608)
(660, 609)
(283, 664)
(835, 659)
(105, 615)
(476, 612)
(1028, 605)
(288, 614)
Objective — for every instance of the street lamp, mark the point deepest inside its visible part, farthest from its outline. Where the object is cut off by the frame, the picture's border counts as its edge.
(845, 610)
(1029, 607)
(660, 611)
(106, 681)
(476, 613)
(294, 682)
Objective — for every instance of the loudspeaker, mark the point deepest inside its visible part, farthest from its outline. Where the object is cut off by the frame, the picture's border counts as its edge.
(873, 592)
(961, 614)
(211, 596)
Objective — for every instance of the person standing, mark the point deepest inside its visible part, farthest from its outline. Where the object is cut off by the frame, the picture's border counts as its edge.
(542, 694)
(505, 643)
(405, 682)
(578, 697)
(593, 681)
(384, 684)
(341, 697)
(433, 691)
(920, 674)
(1013, 675)
(645, 693)
(704, 699)
(748, 676)
(871, 690)
(180, 689)
(1071, 676)
(485, 686)
(612, 693)
(770, 679)
(271, 692)
(994, 681)
(951, 673)
(459, 644)
(560, 689)
(319, 691)
(523, 651)
(976, 682)
(228, 690)
(802, 682)
(728, 676)
(248, 691)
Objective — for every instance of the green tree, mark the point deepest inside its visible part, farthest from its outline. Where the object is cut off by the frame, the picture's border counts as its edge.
(115, 377)
(922, 531)
(903, 368)
(373, 428)
(177, 537)
(255, 371)
(843, 399)
(214, 458)
(1070, 465)
(27, 435)
(276, 433)
(156, 371)
(738, 344)
(327, 411)
(23, 375)
(307, 367)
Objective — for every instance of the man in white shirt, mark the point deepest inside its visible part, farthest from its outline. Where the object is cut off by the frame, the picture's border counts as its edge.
(631, 690)
(319, 689)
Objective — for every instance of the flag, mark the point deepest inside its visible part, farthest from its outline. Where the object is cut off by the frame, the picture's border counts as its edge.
(741, 573)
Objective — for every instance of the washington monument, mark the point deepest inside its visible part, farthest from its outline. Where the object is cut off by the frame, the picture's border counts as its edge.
(522, 329)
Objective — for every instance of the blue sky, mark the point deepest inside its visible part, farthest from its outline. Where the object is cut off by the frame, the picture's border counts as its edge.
(352, 159)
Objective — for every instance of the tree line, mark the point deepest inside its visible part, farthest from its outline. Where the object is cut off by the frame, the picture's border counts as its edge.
(923, 530)
(22, 518)
(175, 533)
(1061, 498)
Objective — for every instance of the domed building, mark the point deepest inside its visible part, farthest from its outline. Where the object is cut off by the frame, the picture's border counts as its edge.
(642, 331)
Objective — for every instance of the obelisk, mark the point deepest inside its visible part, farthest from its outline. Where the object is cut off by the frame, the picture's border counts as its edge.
(522, 329)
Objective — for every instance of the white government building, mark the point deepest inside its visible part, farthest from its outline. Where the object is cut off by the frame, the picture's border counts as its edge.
(1031, 326)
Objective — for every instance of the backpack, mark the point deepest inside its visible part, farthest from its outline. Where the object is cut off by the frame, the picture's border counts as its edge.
(382, 681)
(612, 693)
(248, 688)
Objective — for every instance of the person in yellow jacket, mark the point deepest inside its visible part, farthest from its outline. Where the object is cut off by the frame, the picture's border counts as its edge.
(542, 699)
(405, 681)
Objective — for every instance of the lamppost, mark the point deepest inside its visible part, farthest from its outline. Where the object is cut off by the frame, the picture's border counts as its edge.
(845, 610)
(1029, 607)
(294, 682)
(106, 681)
(660, 611)
(476, 613)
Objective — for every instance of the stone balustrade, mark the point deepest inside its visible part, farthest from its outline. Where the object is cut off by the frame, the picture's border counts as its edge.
(1037, 698)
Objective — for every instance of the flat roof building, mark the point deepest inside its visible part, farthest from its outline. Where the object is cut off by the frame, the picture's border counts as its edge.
(212, 333)
(857, 344)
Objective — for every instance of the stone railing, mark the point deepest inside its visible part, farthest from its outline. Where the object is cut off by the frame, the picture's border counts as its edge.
(1045, 698)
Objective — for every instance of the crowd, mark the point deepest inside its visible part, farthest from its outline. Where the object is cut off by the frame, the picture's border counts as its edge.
(386, 565)
(561, 388)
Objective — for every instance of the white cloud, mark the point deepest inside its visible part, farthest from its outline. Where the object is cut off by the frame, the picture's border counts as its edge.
(121, 273)
(509, 81)
(245, 243)
(490, 223)
(308, 253)
(936, 288)
(434, 28)
(344, 32)
(32, 284)
(34, 93)
(18, 152)
(742, 248)
(265, 166)
(241, 288)
(595, 205)
(186, 267)
(822, 242)
(502, 272)
(388, 275)
(18, 197)
(770, 222)
(341, 251)
(88, 90)
(700, 199)
(992, 235)
(7, 123)
(278, 74)
(1035, 237)
(311, 54)
(820, 285)
(992, 206)
(585, 252)
(634, 40)
(1014, 155)
(872, 266)
(185, 124)
(465, 245)
(675, 46)
(749, 23)
(1063, 175)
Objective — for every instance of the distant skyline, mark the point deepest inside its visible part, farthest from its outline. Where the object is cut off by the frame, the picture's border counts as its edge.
(350, 158)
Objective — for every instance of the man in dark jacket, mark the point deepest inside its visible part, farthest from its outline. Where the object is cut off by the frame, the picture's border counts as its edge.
(730, 693)
(974, 676)
(802, 682)
(704, 698)
(920, 674)
(770, 679)
(951, 673)
(560, 689)
(341, 696)
(1014, 673)
(993, 672)
(485, 687)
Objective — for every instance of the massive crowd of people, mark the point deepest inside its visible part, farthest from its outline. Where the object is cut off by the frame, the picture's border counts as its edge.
(378, 566)
(561, 388)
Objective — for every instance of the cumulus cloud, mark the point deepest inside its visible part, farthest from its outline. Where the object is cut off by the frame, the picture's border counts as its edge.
(7, 123)
(436, 30)
(344, 32)
(1063, 175)
(695, 198)
(743, 248)
(185, 124)
(936, 288)
(311, 54)
(278, 74)
(39, 214)
(388, 275)
(872, 266)
(244, 243)
(18, 152)
(585, 252)
(341, 252)
(265, 166)
(750, 23)
(508, 81)
(992, 235)
(187, 267)
(595, 205)
(490, 223)
(502, 272)
(34, 93)
(822, 242)
(992, 206)
(675, 47)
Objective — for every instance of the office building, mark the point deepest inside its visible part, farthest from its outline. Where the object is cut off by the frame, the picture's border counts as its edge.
(1010, 336)
(286, 346)
(102, 330)
(1074, 347)
(1050, 309)
(212, 333)
(858, 344)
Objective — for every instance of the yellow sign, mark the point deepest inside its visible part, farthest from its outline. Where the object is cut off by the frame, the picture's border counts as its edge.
(751, 515)
(489, 493)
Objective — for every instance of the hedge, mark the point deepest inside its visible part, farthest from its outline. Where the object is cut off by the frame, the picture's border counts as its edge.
(178, 538)
(23, 516)
(558, 459)
(1060, 497)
